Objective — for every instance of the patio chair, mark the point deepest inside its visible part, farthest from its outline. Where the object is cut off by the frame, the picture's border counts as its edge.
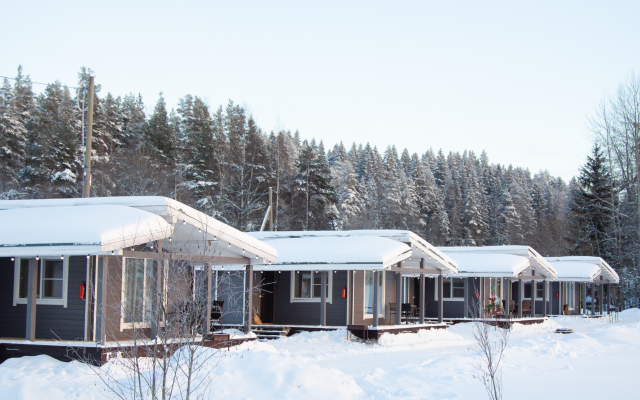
(526, 308)
(216, 313)
(407, 311)
(392, 310)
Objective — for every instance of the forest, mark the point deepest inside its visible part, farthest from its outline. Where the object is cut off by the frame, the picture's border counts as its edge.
(221, 162)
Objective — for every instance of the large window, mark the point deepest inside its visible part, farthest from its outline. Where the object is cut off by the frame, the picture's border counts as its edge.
(453, 289)
(571, 295)
(51, 281)
(368, 293)
(306, 286)
(138, 286)
(495, 290)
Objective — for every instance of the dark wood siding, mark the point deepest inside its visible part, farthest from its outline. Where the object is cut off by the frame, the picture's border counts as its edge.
(51, 321)
(288, 313)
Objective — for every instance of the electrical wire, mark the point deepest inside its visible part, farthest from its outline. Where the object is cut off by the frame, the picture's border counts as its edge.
(37, 83)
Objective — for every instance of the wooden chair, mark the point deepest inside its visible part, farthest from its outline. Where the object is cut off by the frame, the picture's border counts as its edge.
(526, 308)
(392, 310)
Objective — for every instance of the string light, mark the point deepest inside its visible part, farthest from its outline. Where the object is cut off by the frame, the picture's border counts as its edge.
(62, 257)
(88, 256)
(242, 251)
(13, 259)
(37, 258)
(229, 244)
(184, 222)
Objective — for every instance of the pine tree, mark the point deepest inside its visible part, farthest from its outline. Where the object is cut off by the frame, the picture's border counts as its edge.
(591, 209)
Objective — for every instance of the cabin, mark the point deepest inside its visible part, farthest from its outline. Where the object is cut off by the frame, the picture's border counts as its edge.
(577, 277)
(357, 268)
(495, 281)
(99, 270)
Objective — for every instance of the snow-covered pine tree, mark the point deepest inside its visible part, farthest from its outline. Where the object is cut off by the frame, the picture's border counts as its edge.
(13, 136)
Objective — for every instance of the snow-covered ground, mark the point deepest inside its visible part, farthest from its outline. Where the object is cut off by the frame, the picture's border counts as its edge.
(600, 360)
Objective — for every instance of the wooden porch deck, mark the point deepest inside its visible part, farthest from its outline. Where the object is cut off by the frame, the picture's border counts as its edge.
(95, 353)
(366, 332)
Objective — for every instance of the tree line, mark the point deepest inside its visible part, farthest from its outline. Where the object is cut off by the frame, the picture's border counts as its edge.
(221, 162)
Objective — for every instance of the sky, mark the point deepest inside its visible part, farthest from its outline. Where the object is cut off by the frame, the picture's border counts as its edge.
(517, 79)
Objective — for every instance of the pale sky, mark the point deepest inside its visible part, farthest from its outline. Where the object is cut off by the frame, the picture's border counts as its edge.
(517, 79)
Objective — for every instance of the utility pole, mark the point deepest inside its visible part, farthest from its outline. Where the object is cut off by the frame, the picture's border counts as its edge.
(86, 183)
(270, 208)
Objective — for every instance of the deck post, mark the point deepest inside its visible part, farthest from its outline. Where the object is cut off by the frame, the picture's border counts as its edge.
(507, 296)
(520, 296)
(466, 298)
(323, 298)
(209, 287)
(398, 297)
(545, 291)
(101, 300)
(593, 299)
(533, 298)
(32, 295)
(422, 292)
(440, 297)
(608, 298)
(248, 270)
(601, 299)
(374, 311)
(584, 298)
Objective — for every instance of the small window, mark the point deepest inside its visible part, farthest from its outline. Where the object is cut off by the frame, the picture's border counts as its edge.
(539, 290)
(51, 281)
(306, 286)
(453, 289)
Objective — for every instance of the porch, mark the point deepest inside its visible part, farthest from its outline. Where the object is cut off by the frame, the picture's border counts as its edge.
(99, 354)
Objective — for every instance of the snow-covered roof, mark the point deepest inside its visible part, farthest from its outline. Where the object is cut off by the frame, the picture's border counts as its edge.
(86, 230)
(584, 268)
(539, 265)
(327, 253)
(489, 265)
(194, 232)
(420, 248)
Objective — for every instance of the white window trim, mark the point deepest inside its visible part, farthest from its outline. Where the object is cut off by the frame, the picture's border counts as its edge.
(435, 293)
(364, 289)
(312, 299)
(538, 298)
(132, 325)
(40, 301)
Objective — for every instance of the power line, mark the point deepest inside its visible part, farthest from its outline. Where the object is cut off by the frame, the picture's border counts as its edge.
(37, 83)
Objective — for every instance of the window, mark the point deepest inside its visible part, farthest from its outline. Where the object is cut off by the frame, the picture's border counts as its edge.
(306, 286)
(539, 290)
(570, 293)
(51, 281)
(495, 290)
(453, 289)
(368, 293)
(139, 280)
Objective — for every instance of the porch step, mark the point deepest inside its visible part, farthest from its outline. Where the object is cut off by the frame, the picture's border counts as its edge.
(269, 332)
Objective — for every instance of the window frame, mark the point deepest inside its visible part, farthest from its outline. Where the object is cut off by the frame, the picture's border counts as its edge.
(537, 287)
(39, 300)
(144, 323)
(382, 314)
(452, 280)
(293, 299)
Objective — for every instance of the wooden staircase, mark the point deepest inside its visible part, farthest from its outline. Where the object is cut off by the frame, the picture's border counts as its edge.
(270, 332)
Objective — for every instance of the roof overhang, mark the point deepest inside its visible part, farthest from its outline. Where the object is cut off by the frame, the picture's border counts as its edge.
(584, 269)
(539, 267)
(193, 232)
(489, 265)
(96, 229)
(333, 253)
(420, 249)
